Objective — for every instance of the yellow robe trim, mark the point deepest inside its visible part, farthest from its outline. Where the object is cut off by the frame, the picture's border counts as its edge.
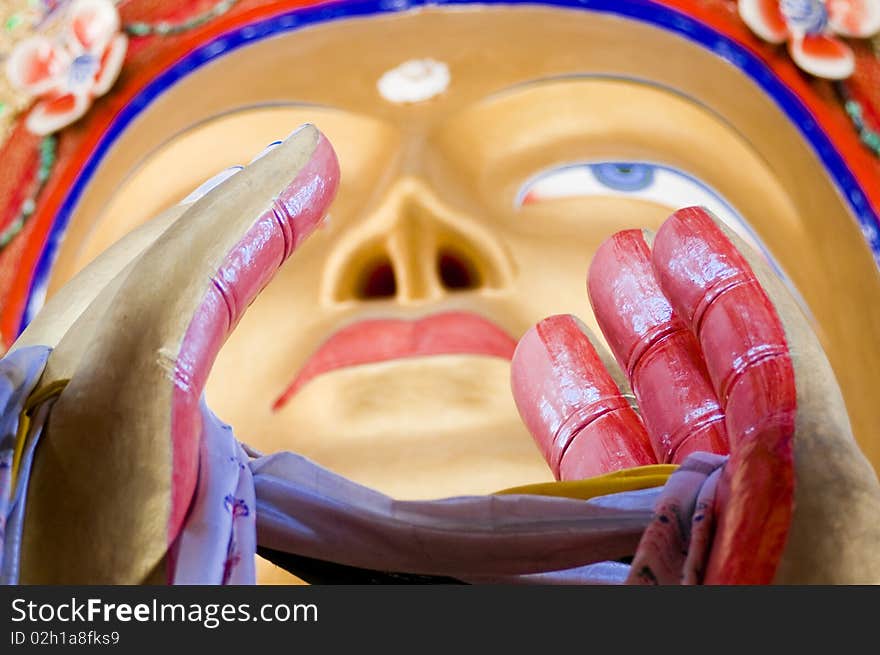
(641, 477)
(36, 399)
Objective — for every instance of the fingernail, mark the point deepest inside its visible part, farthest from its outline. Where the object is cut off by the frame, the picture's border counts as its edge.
(571, 405)
(265, 151)
(210, 184)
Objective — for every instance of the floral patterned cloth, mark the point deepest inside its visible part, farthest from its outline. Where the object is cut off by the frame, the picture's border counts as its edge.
(218, 541)
(67, 73)
(675, 548)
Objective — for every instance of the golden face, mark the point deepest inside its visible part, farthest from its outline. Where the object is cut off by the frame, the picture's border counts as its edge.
(429, 222)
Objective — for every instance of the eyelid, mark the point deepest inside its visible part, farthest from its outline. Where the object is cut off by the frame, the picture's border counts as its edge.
(658, 183)
(661, 184)
(665, 185)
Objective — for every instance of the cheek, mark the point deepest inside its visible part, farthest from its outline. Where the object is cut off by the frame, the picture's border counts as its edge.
(551, 276)
(281, 328)
(553, 244)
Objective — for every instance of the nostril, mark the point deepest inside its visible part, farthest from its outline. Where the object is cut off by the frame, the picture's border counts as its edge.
(456, 272)
(377, 280)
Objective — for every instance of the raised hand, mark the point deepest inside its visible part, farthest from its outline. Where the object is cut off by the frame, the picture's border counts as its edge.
(136, 334)
(718, 356)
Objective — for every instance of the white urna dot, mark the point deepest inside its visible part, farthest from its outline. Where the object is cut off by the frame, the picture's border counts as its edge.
(416, 80)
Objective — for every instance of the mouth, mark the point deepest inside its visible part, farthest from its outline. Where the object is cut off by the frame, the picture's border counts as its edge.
(380, 340)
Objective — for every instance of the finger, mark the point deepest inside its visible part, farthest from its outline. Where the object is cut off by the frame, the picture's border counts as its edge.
(578, 417)
(62, 309)
(714, 289)
(783, 406)
(660, 355)
(122, 457)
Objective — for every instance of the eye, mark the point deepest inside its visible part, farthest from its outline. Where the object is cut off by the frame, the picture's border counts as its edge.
(657, 183)
(629, 177)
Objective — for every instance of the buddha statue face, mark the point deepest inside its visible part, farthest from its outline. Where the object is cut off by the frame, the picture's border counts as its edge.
(381, 350)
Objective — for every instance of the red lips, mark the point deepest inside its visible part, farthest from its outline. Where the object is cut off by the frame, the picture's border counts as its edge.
(380, 340)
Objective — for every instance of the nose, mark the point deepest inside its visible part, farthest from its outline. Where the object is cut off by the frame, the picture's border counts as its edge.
(414, 248)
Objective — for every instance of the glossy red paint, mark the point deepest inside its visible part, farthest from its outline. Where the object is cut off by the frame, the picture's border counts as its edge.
(714, 289)
(571, 405)
(247, 268)
(660, 355)
(380, 340)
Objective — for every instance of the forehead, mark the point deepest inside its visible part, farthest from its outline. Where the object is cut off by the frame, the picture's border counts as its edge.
(339, 62)
(492, 52)
(494, 55)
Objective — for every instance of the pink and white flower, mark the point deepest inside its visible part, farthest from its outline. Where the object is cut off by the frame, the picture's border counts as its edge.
(67, 73)
(812, 27)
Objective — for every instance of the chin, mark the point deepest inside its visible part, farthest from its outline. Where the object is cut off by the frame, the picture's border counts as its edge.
(415, 428)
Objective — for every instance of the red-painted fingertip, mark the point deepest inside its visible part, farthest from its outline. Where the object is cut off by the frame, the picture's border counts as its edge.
(744, 344)
(245, 271)
(304, 203)
(632, 311)
(741, 335)
(693, 261)
(570, 404)
(660, 355)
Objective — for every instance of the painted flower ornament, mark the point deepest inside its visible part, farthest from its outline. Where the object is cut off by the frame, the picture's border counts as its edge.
(812, 29)
(66, 74)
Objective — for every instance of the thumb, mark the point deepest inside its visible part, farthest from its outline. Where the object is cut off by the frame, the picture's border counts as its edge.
(119, 468)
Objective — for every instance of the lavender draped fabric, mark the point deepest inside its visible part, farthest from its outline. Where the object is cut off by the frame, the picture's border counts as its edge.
(19, 374)
(600, 573)
(218, 542)
(305, 509)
